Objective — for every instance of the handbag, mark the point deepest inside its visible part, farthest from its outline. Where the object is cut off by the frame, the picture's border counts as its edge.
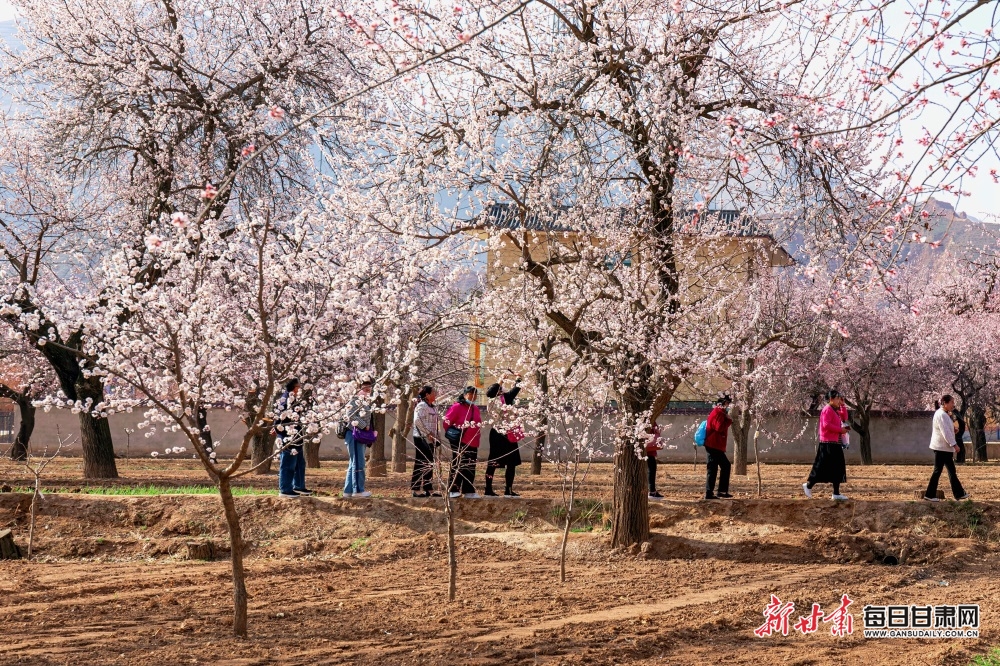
(366, 437)
(453, 435)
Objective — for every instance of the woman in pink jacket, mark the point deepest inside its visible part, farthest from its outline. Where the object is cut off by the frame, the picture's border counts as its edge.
(829, 466)
(462, 421)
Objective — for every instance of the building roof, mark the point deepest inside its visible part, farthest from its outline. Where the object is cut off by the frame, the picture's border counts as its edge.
(721, 222)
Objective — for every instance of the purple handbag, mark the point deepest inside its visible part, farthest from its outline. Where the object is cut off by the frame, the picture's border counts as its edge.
(366, 437)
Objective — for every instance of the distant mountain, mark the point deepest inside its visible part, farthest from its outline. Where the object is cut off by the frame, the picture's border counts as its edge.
(956, 228)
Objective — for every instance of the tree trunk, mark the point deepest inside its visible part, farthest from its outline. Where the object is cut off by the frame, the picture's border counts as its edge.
(741, 438)
(95, 433)
(262, 452)
(376, 454)
(404, 426)
(536, 456)
(449, 508)
(756, 460)
(19, 451)
(312, 454)
(630, 503)
(977, 433)
(861, 423)
(236, 555)
(960, 437)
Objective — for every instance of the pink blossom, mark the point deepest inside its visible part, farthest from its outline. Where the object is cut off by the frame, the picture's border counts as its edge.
(248, 150)
(276, 112)
(210, 191)
(179, 220)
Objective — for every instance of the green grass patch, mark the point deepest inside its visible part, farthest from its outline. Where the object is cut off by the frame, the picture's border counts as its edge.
(991, 658)
(149, 490)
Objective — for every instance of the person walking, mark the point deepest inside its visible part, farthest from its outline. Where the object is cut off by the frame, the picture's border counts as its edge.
(504, 446)
(829, 465)
(944, 446)
(462, 421)
(653, 444)
(426, 431)
(291, 459)
(716, 439)
(359, 437)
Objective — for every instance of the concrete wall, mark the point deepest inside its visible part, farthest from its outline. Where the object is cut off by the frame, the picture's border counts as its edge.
(899, 439)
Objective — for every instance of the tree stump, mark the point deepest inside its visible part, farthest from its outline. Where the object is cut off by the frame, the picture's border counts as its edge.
(8, 549)
(201, 550)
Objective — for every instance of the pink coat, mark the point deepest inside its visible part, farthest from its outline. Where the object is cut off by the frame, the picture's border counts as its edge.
(467, 417)
(831, 423)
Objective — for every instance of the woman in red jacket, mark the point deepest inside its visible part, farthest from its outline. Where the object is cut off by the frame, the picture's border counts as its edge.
(716, 437)
(463, 422)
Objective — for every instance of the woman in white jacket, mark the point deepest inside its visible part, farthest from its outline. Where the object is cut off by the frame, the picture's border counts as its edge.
(426, 428)
(944, 447)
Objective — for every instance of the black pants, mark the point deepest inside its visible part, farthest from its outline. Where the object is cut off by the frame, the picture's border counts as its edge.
(463, 468)
(717, 463)
(509, 472)
(651, 468)
(944, 459)
(960, 456)
(423, 466)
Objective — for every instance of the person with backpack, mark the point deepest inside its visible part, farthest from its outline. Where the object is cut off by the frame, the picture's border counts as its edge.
(504, 450)
(462, 421)
(945, 448)
(653, 444)
(716, 439)
(358, 437)
(830, 466)
(426, 431)
(291, 459)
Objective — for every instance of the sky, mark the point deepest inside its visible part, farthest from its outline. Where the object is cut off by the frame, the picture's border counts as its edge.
(984, 192)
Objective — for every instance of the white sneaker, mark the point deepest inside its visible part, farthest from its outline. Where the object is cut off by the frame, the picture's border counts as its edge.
(472, 496)
(368, 493)
(931, 499)
(289, 496)
(348, 495)
(454, 495)
(808, 492)
(839, 497)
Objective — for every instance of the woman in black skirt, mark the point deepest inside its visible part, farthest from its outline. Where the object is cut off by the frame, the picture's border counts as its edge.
(504, 450)
(829, 466)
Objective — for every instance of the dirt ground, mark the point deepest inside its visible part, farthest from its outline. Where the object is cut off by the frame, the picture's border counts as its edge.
(336, 581)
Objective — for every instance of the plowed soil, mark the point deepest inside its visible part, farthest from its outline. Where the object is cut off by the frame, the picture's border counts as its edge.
(336, 581)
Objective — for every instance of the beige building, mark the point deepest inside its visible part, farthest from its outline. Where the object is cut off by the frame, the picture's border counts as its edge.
(723, 239)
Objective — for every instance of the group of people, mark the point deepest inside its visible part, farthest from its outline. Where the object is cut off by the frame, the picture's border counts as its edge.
(829, 466)
(463, 423)
(459, 430)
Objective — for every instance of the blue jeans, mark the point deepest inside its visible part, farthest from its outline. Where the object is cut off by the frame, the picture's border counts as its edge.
(355, 481)
(291, 469)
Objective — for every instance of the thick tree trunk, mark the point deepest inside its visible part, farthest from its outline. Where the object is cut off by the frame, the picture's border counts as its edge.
(95, 433)
(742, 420)
(236, 550)
(262, 452)
(630, 503)
(977, 433)
(861, 423)
(376, 454)
(960, 438)
(312, 455)
(19, 451)
(401, 434)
